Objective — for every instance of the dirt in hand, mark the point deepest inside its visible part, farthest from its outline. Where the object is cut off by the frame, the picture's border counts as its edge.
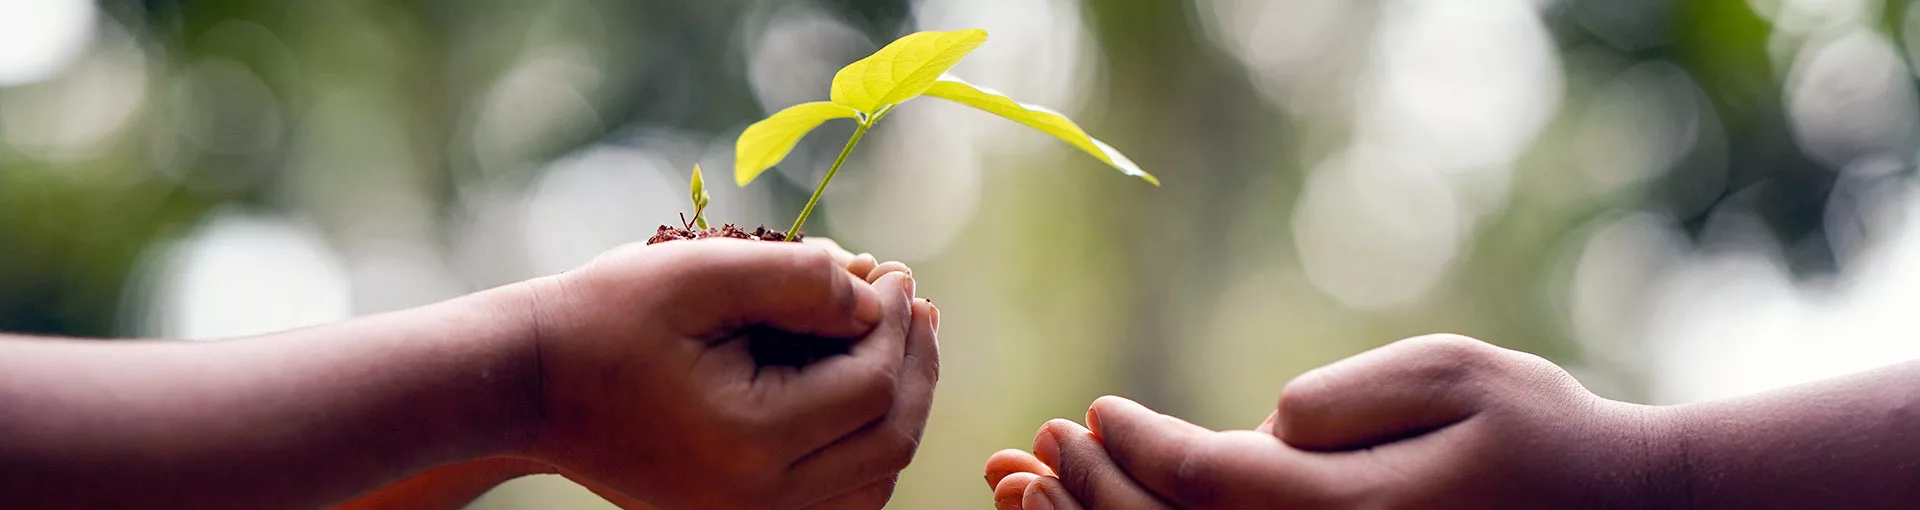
(673, 233)
(770, 347)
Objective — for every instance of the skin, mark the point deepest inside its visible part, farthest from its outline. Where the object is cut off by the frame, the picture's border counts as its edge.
(1450, 422)
(627, 374)
(454, 486)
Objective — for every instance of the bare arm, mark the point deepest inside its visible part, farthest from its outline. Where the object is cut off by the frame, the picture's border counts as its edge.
(298, 418)
(635, 375)
(1850, 442)
(1449, 422)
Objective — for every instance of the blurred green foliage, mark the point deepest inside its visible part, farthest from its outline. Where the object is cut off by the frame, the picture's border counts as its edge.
(1062, 287)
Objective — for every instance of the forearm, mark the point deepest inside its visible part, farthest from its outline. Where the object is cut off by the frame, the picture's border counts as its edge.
(447, 487)
(300, 418)
(1850, 442)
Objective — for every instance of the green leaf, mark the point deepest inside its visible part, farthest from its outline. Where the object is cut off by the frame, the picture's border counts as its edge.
(1037, 117)
(902, 70)
(700, 196)
(767, 142)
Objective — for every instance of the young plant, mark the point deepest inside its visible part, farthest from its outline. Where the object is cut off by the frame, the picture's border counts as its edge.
(697, 228)
(700, 199)
(868, 89)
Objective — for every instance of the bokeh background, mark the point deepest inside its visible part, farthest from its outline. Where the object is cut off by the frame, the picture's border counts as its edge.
(1678, 200)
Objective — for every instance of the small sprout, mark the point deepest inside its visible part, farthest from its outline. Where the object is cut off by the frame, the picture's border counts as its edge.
(700, 199)
(868, 89)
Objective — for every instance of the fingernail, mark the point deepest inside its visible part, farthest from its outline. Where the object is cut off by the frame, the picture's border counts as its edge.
(1046, 448)
(936, 316)
(1037, 498)
(866, 304)
(1093, 422)
(910, 285)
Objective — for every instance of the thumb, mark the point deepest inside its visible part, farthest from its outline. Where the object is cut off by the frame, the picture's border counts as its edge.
(726, 284)
(1404, 389)
(1151, 448)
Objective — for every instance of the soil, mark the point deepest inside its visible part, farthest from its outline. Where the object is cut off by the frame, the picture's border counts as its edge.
(769, 346)
(775, 348)
(673, 233)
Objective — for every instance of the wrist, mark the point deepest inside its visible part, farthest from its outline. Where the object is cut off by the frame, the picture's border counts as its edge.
(515, 313)
(1667, 466)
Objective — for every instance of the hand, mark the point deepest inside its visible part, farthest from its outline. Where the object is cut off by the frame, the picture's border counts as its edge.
(1431, 422)
(651, 391)
(455, 486)
(863, 265)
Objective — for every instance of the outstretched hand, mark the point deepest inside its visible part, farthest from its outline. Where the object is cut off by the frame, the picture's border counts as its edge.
(1431, 422)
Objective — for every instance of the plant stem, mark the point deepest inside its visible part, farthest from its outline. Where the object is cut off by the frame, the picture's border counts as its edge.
(794, 233)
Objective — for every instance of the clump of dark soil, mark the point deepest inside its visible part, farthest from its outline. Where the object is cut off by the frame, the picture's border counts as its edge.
(673, 233)
(769, 346)
(772, 347)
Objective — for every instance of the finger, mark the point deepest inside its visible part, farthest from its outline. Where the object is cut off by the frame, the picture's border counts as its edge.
(873, 495)
(884, 448)
(1190, 467)
(1008, 493)
(1083, 467)
(862, 264)
(1147, 445)
(726, 284)
(1401, 390)
(822, 403)
(1006, 462)
(841, 257)
(888, 268)
(1046, 493)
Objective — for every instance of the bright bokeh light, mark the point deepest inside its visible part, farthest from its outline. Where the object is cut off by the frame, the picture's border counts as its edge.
(79, 114)
(1850, 97)
(1731, 323)
(595, 200)
(241, 274)
(39, 38)
(796, 55)
(544, 97)
(1455, 92)
(1301, 52)
(1376, 229)
(1638, 125)
(1809, 16)
(1619, 263)
(1465, 84)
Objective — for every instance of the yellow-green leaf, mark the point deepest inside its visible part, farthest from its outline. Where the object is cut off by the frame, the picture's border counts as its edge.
(1037, 117)
(902, 70)
(767, 142)
(700, 196)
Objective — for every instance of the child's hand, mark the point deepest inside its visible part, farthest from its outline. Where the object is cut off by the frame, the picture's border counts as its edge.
(1431, 422)
(651, 391)
(863, 265)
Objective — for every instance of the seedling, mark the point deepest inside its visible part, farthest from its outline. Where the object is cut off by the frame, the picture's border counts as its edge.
(867, 90)
(700, 199)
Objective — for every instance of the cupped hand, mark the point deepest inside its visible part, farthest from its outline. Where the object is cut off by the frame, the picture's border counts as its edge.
(1432, 422)
(863, 265)
(650, 390)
